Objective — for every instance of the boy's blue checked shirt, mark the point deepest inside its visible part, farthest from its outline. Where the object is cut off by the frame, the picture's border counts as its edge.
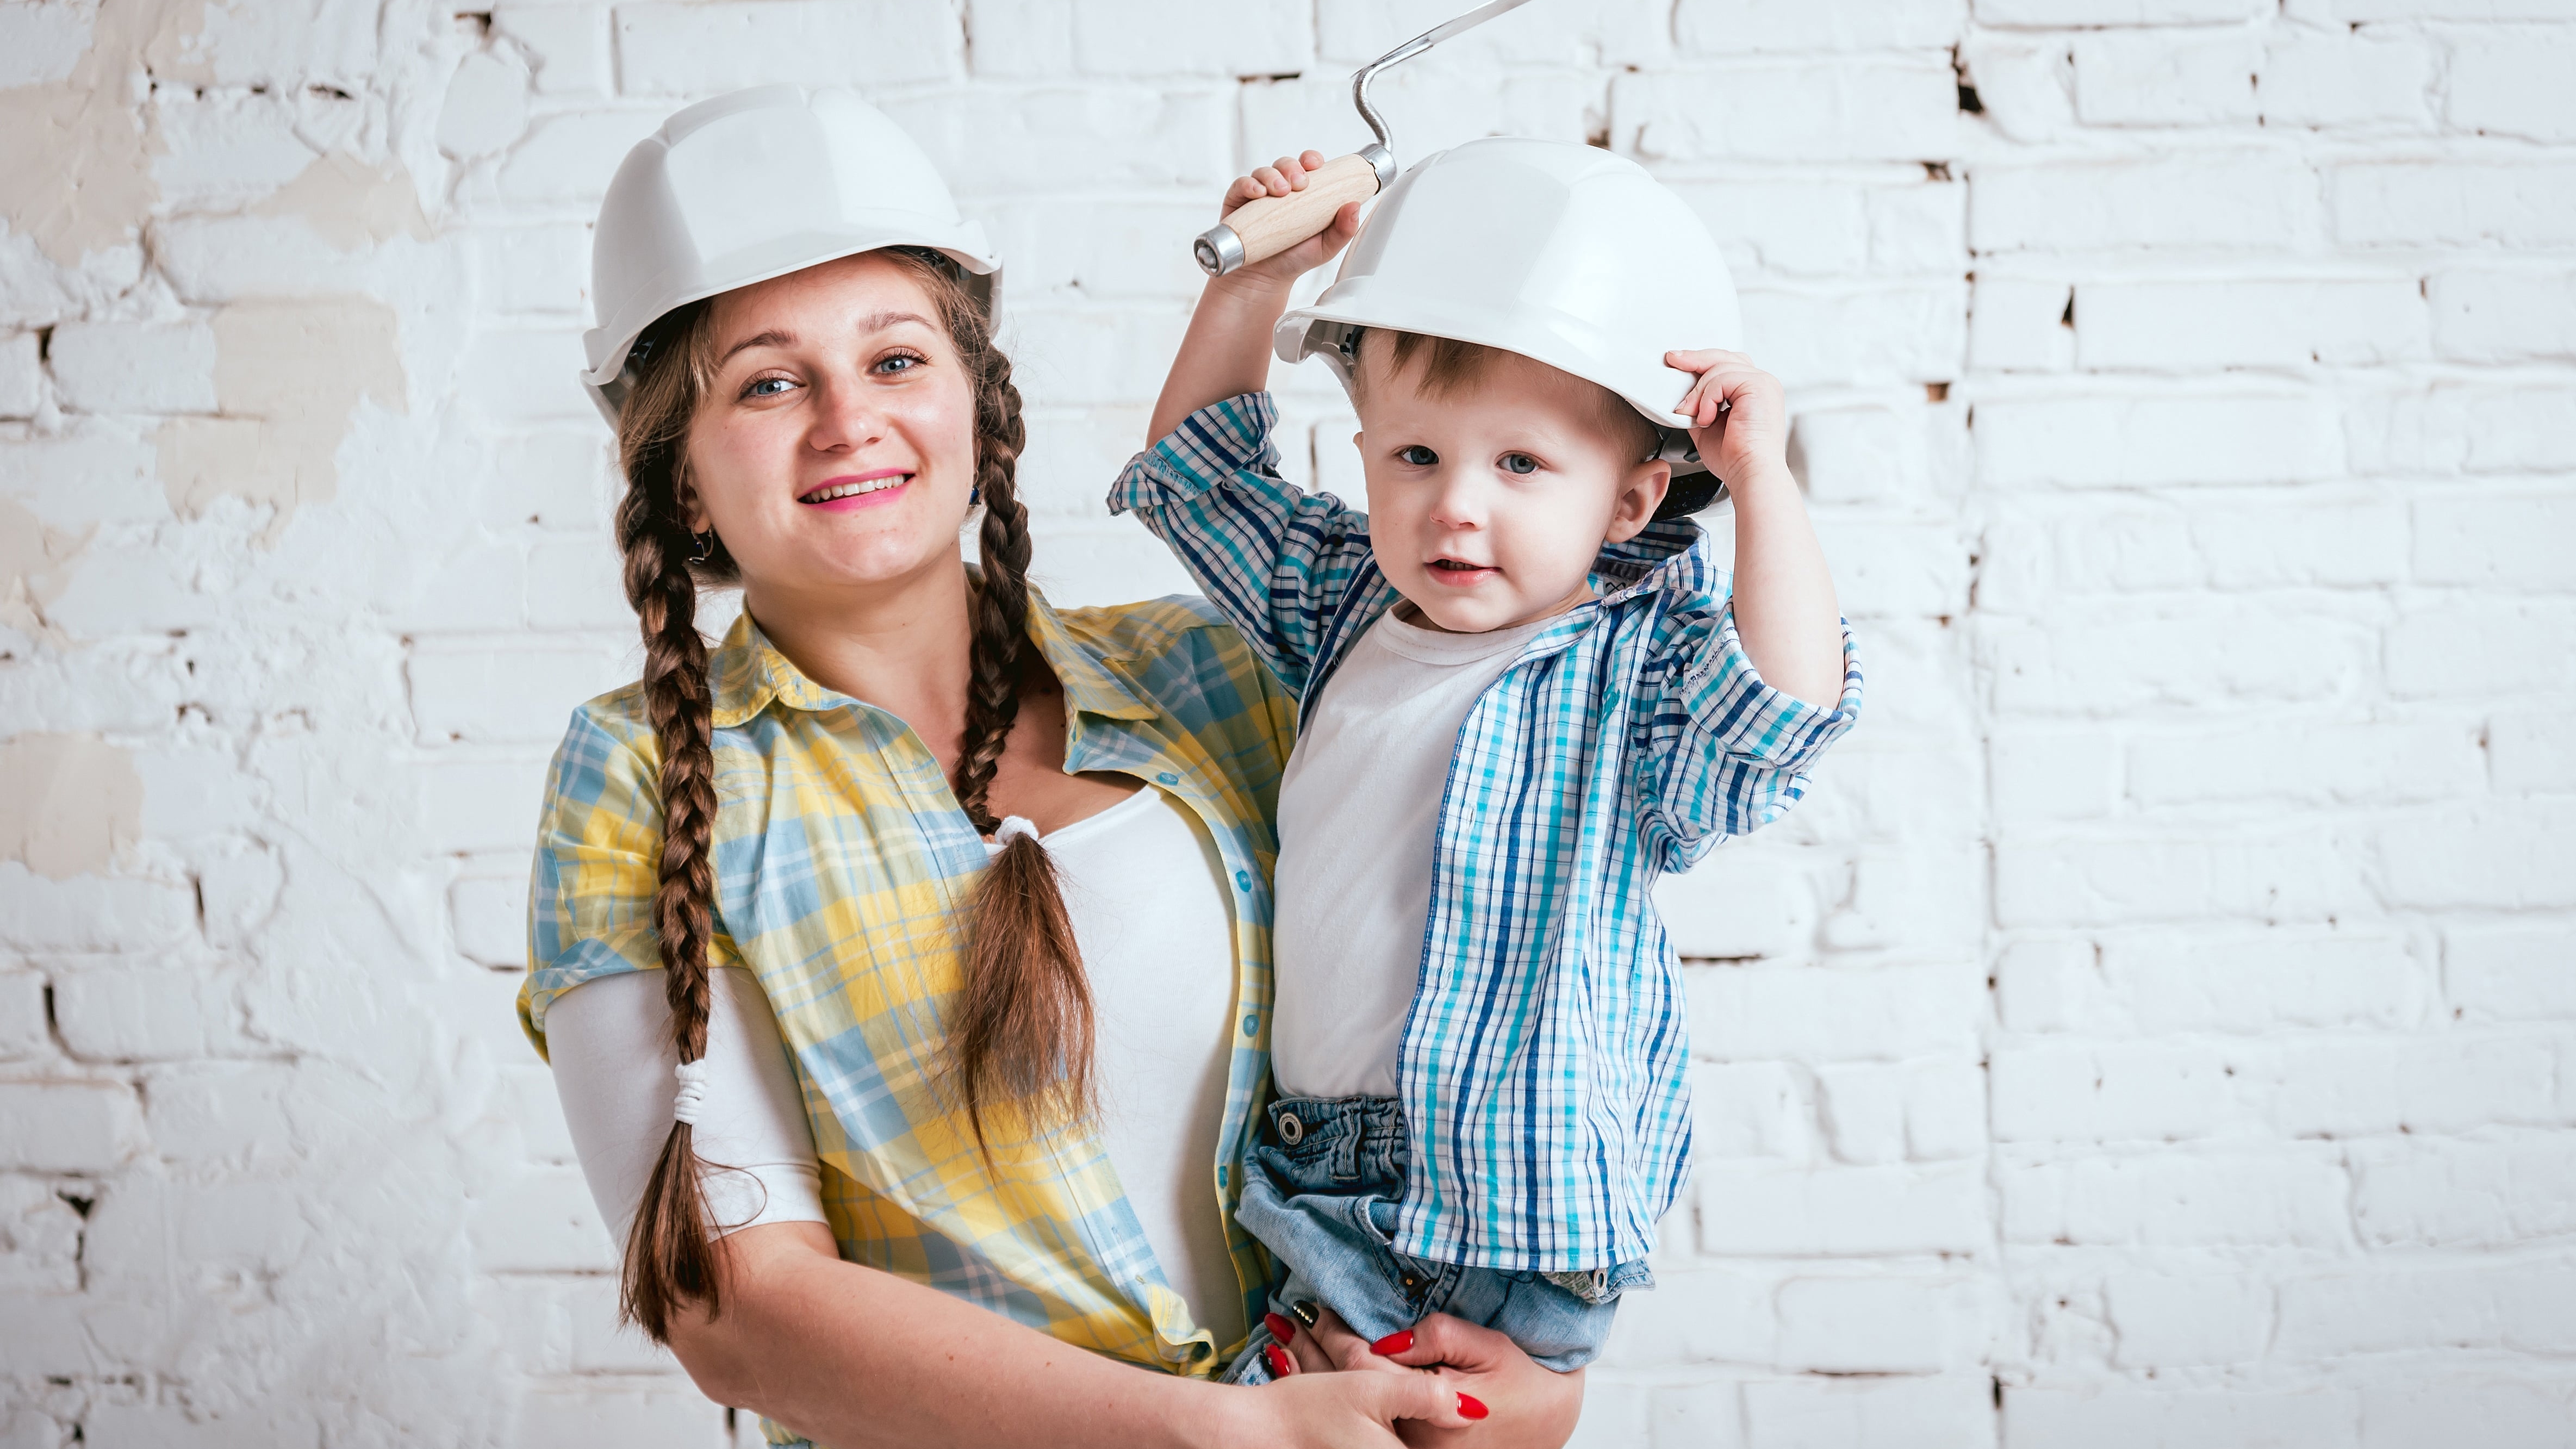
(1545, 1067)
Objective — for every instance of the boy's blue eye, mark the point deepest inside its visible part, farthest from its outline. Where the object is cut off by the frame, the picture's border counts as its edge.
(1418, 455)
(1519, 463)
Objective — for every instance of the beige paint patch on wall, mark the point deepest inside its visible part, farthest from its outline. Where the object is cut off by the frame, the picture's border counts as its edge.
(288, 376)
(66, 803)
(35, 567)
(76, 171)
(353, 205)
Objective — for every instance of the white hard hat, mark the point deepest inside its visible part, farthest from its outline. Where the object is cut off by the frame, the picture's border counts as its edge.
(755, 185)
(1565, 254)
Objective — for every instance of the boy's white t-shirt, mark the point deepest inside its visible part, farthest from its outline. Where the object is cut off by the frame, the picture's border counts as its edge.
(1359, 806)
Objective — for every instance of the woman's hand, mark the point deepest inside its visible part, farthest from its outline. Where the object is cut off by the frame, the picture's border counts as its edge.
(1739, 418)
(1504, 1400)
(1283, 177)
(1349, 1411)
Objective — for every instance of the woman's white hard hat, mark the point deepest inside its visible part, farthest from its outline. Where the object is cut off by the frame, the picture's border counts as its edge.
(1565, 254)
(755, 185)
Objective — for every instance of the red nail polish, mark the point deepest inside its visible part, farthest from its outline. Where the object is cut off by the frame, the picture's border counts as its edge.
(1470, 1407)
(1279, 1326)
(1277, 1358)
(1394, 1343)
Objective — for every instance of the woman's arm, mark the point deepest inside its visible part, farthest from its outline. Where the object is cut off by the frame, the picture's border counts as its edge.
(1227, 350)
(1526, 1406)
(855, 1358)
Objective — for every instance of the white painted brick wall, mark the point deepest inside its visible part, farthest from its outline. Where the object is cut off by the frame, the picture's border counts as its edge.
(2157, 1028)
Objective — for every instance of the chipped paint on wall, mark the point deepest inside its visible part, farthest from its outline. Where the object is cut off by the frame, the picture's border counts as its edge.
(67, 803)
(76, 174)
(288, 377)
(35, 566)
(351, 204)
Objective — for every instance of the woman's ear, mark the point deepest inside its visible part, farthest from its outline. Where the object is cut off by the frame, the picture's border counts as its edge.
(1640, 494)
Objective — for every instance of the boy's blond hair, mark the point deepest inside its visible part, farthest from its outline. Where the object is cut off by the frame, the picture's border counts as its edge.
(1452, 366)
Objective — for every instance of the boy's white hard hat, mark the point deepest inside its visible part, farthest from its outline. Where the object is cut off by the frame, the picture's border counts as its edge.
(755, 185)
(1562, 253)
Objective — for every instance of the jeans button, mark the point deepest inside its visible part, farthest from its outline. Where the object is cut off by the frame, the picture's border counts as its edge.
(1291, 1131)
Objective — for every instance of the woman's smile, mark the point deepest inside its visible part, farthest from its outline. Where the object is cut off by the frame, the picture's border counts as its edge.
(857, 490)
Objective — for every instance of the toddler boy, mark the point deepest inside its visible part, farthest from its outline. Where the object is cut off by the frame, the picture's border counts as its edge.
(1525, 691)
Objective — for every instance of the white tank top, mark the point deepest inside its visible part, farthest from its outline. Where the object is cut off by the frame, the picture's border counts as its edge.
(1154, 921)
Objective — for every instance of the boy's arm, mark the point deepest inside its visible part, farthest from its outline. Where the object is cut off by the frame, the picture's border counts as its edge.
(1279, 562)
(1757, 675)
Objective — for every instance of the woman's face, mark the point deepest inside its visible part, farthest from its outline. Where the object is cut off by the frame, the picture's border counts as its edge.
(836, 446)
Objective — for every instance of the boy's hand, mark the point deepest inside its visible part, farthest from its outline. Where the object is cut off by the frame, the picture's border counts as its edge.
(1739, 417)
(1280, 178)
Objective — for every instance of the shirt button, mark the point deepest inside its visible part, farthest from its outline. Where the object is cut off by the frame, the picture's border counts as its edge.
(1252, 1024)
(1167, 778)
(1243, 880)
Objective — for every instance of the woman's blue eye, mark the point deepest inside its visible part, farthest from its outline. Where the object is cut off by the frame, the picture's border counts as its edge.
(888, 364)
(1418, 455)
(1519, 463)
(767, 387)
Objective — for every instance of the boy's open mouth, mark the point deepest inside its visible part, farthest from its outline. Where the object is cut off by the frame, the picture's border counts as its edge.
(1459, 571)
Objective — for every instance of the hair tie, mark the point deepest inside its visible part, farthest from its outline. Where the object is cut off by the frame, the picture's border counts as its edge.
(1014, 825)
(693, 1091)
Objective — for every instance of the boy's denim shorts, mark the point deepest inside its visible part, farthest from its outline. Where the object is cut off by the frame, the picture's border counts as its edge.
(1320, 1188)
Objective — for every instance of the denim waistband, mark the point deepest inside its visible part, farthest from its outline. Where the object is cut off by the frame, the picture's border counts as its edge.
(1366, 1121)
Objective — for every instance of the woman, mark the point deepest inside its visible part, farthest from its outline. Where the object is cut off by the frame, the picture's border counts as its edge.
(1014, 1074)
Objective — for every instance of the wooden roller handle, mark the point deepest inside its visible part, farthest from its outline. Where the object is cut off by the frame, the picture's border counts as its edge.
(1269, 225)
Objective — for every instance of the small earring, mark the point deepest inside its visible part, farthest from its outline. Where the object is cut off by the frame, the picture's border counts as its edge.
(702, 546)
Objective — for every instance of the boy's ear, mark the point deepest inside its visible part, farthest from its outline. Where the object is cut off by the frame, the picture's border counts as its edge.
(1640, 494)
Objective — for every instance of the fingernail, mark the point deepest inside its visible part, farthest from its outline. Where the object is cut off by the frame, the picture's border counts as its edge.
(1306, 1311)
(1396, 1342)
(1280, 1328)
(1277, 1357)
(1470, 1408)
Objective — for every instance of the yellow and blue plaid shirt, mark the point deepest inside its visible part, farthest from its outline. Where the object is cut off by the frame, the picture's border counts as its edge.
(841, 860)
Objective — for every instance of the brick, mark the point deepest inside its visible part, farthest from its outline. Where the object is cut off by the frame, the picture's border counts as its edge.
(1734, 27)
(2199, 326)
(2279, 1196)
(560, 479)
(2513, 84)
(1911, 900)
(1914, 1111)
(22, 375)
(2495, 542)
(2418, 1193)
(2061, 13)
(2166, 1320)
(1884, 569)
(2307, 543)
(1873, 108)
(2299, 873)
(1071, 359)
(2126, 442)
(2452, 203)
(2158, 982)
(1842, 1211)
(649, 1416)
(1897, 333)
(2113, 1092)
(531, 270)
(2052, 775)
(2349, 764)
(1793, 228)
(481, 804)
(525, 374)
(486, 106)
(118, 367)
(1750, 1109)
(490, 917)
(499, 693)
(568, 158)
(2250, 199)
(68, 1126)
(2495, 855)
(2160, 79)
(2512, 971)
(574, 582)
(1740, 905)
(2378, 1309)
(238, 1115)
(1113, 136)
(24, 1030)
(40, 1243)
(1950, 1412)
(2176, 656)
(2494, 315)
(2021, 324)
(1743, 1013)
(1872, 454)
(2504, 1412)
(2520, 429)
(2346, 1087)
(1698, 1315)
(1443, 105)
(2425, 660)
(1881, 1324)
(566, 46)
(147, 1013)
(697, 50)
(2118, 1416)
(543, 1221)
(2332, 78)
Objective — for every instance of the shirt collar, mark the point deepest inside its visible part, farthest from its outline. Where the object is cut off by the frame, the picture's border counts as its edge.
(1667, 550)
(747, 673)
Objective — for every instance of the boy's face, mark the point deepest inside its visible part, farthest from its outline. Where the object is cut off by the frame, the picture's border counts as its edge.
(1488, 505)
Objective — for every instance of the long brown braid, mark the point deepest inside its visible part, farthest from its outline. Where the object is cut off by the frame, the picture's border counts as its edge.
(1020, 1029)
